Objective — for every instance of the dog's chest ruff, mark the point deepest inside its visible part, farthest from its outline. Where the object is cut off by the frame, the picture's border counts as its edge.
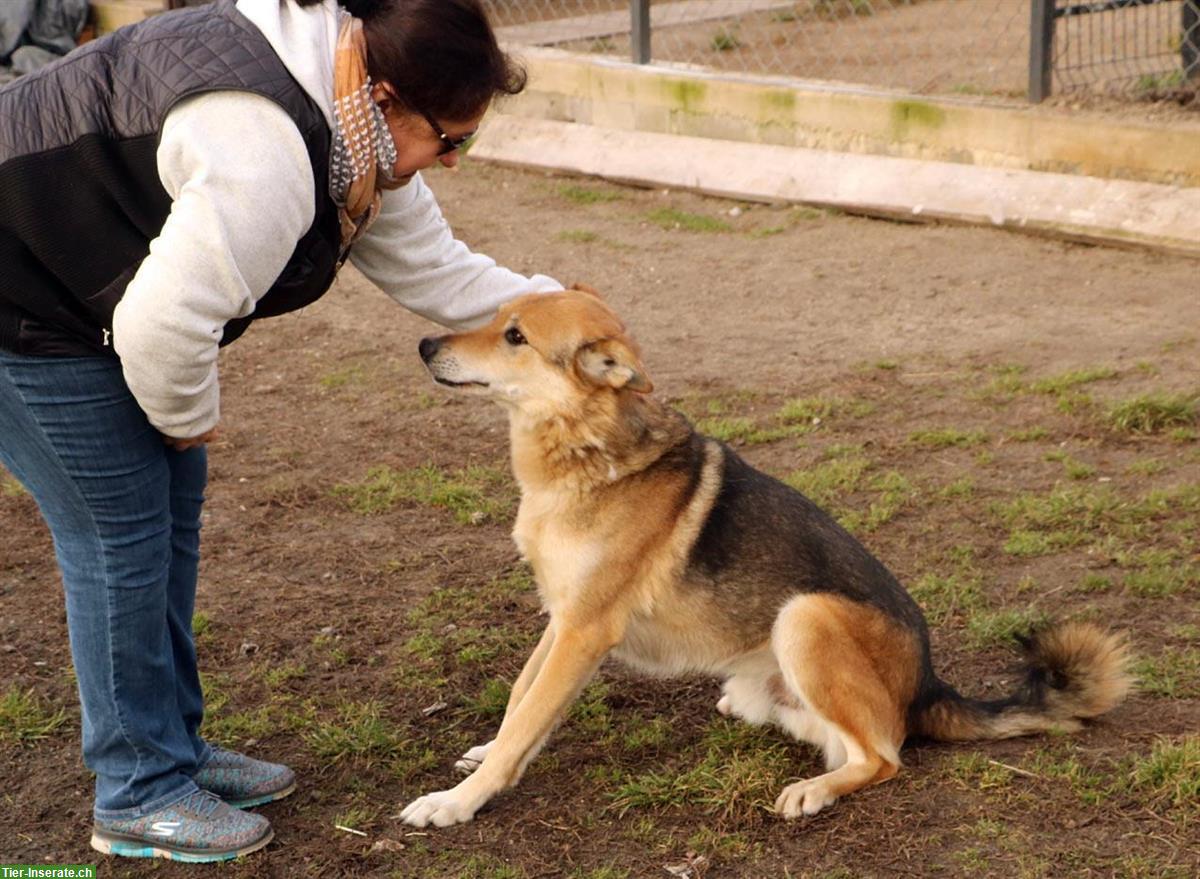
(563, 558)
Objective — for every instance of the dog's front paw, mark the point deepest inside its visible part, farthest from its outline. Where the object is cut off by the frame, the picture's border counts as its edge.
(725, 705)
(472, 760)
(804, 798)
(441, 809)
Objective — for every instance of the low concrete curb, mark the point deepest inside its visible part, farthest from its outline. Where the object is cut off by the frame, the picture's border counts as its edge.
(1158, 216)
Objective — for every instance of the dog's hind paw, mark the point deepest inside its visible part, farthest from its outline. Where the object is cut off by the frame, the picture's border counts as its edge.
(440, 808)
(804, 798)
(725, 705)
(472, 760)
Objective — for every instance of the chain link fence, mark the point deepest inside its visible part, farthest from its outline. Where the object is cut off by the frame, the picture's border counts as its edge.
(1000, 48)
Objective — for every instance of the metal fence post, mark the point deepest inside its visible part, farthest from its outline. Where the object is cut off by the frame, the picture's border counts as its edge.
(1041, 49)
(1189, 47)
(639, 13)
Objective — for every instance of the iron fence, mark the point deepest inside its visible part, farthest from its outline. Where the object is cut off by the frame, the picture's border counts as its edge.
(1001, 48)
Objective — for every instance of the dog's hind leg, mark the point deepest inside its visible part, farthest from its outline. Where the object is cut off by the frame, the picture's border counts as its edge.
(849, 667)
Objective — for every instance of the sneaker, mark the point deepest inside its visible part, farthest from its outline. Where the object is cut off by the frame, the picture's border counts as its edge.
(242, 781)
(198, 828)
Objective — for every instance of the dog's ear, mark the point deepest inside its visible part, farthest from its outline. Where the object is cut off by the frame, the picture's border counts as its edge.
(586, 288)
(614, 363)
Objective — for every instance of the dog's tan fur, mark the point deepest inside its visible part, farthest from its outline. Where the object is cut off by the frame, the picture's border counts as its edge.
(639, 551)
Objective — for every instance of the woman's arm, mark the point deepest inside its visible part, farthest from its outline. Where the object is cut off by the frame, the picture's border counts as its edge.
(241, 186)
(411, 254)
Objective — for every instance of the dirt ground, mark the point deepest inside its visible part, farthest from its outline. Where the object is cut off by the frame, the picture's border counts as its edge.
(944, 390)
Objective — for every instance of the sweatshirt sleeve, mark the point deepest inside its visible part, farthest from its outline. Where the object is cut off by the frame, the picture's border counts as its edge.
(241, 185)
(410, 254)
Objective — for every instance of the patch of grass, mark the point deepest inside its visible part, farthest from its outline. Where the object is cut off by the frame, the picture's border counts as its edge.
(944, 596)
(491, 701)
(947, 438)
(1075, 469)
(23, 718)
(356, 731)
(1068, 381)
(976, 771)
(1153, 413)
(1170, 774)
(276, 676)
(475, 495)
(1173, 674)
(232, 728)
(741, 430)
(959, 488)
(736, 774)
(1094, 583)
(829, 481)
(725, 40)
(339, 378)
(987, 628)
(577, 236)
(894, 493)
(814, 410)
(585, 195)
(1159, 579)
(671, 218)
(1146, 467)
(201, 625)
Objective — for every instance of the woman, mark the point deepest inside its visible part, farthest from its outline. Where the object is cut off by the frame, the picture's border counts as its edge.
(163, 187)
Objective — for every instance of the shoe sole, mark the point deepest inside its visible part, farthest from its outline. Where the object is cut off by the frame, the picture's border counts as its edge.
(265, 798)
(129, 847)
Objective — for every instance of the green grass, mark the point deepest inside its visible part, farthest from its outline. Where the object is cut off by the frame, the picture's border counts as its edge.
(945, 596)
(671, 218)
(475, 495)
(1074, 468)
(1153, 413)
(1170, 774)
(736, 773)
(586, 195)
(25, 720)
(1173, 674)
(577, 236)
(1069, 381)
(490, 701)
(989, 628)
(725, 40)
(339, 378)
(828, 482)
(354, 731)
(947, 438)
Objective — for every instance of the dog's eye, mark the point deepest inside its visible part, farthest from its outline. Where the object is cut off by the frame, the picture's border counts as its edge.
(513, 336)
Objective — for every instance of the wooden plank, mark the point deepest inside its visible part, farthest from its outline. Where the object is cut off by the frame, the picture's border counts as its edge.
(108, 15)
(609, 24)
(1063, 205)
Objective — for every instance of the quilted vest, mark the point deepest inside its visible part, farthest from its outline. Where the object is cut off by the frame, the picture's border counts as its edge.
(80, 196)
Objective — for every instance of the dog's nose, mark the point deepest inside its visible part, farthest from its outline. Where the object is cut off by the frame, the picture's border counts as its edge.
(428, 348)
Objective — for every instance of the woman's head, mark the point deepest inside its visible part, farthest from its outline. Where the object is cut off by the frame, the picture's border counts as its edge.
(437, 57)
(435, 68)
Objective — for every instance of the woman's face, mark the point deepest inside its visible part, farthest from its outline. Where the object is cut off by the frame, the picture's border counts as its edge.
(418, 143)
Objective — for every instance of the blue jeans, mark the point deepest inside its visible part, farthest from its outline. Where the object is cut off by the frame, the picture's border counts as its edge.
(124, 512)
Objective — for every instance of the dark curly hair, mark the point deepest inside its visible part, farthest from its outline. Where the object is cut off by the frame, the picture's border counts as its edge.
(438, 56)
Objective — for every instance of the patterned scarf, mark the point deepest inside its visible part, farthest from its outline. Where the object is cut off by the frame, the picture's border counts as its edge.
(363, 149)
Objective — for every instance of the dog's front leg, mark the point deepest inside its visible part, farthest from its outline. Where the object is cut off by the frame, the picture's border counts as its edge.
(571, 659)
(471, 760)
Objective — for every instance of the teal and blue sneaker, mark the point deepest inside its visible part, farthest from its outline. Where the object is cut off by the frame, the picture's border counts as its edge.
(198, 828)
(242, 781)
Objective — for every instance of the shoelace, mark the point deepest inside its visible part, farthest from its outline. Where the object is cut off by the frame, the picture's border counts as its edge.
(202, 803)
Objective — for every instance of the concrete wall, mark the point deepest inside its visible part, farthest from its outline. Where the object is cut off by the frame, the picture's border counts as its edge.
(673, 100)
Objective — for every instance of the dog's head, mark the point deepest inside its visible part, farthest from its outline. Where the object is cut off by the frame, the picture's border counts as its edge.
(541, 354)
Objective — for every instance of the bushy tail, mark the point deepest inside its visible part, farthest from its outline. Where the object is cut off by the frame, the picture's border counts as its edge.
(1072, 672)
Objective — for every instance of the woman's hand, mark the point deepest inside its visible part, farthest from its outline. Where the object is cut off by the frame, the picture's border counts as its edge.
(180, 444)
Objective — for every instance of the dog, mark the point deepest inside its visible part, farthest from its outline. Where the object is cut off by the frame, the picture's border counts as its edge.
(665, 549)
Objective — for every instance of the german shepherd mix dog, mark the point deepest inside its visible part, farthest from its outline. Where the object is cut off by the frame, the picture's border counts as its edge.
(664, 548)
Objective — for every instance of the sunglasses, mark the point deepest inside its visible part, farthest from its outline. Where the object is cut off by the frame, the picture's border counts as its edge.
(449, 144)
